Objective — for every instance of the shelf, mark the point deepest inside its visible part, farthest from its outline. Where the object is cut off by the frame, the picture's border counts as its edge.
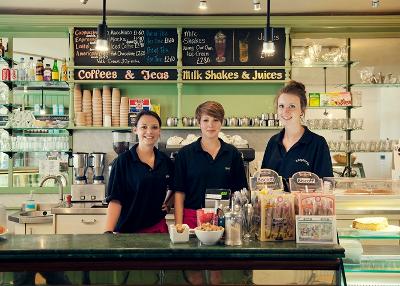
(33, 151)
(332, 107)
(325, 65)
(349, 233)
(376, 85)
(376, 264)
(174, 128)
(41, 85)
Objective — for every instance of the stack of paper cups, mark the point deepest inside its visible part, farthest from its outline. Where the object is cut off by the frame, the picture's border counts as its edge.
(123, 111)
(80, 118)
(77, 98)
(97, 108)
(106, 102)
(115, 103)
(87, 106)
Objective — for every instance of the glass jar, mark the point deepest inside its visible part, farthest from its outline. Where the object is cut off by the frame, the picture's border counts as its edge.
(233, 227)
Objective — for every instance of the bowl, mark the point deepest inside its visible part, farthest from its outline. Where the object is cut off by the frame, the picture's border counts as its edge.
(209, 237)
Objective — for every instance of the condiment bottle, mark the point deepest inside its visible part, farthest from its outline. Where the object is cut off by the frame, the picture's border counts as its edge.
(47, 73)
(39, 70)
(233, 227)
(55, 75)
(64, 70)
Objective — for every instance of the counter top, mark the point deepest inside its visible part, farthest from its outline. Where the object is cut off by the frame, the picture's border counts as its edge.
(154, 250)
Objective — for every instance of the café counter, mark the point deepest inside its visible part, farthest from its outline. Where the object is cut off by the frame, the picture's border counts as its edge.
(155, 251)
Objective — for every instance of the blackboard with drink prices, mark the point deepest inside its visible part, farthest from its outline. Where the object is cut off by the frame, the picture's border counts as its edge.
(230, 47)
(127, 47)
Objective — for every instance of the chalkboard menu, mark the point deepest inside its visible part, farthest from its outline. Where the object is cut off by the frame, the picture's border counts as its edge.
(128, 47)
(230, 47)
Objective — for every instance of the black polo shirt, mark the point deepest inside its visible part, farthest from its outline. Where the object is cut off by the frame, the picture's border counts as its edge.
(310, 153)
(196, 171)
(140, 189)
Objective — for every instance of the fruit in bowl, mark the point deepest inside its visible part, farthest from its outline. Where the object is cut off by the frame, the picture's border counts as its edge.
(209, 234)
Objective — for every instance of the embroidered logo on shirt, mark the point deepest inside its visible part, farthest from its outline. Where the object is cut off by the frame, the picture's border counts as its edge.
(303, 160)
(227, 168)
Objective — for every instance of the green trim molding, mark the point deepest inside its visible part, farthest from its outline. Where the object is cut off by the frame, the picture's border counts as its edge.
(338, 26)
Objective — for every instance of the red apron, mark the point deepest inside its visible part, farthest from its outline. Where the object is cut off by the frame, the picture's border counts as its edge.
(160, 227)
(190, 217)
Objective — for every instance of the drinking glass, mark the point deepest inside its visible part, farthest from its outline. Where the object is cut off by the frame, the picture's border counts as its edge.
(243, 51)
(220, 45)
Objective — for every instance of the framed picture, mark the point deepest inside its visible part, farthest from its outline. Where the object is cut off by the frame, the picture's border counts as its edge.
(316, 229)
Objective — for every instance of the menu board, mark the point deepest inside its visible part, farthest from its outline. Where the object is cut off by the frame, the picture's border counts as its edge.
(230, 47)
(128, 47)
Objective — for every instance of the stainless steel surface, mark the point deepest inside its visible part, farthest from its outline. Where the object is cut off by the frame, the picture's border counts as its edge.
(96, 162)
(42, 215)
(88, 192)
(60, 186)
(74, 211)
(80, 165)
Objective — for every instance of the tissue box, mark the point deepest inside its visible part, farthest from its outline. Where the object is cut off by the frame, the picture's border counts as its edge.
(177, 237)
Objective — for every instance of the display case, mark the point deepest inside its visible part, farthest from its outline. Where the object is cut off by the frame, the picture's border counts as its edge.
(372, 257)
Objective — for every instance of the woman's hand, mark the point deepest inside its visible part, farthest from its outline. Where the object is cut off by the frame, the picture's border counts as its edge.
(165, 207)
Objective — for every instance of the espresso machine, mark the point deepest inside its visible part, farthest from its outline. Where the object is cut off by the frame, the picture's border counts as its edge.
(87, 193)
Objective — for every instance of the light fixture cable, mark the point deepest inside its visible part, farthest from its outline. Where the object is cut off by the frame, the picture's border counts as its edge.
(102, 41)
(268, 44)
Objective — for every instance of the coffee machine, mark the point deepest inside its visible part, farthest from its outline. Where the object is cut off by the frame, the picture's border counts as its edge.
(121, 142)
(85, 194)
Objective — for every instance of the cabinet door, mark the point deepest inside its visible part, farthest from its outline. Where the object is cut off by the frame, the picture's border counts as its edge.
(80, 224)
(39, 228)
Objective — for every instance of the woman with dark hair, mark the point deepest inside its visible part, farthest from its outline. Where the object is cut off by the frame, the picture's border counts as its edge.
(296, 148)
(139, 181)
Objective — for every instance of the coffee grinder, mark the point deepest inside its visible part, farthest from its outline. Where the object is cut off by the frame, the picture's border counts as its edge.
(83, 193)
(121, 141)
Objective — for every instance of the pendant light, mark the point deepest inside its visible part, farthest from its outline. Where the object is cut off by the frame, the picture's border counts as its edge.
(268, 49)
(102, 39)
(256, 5)
(203, 5)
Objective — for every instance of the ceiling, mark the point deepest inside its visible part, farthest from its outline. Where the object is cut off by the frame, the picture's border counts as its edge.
(190, 7)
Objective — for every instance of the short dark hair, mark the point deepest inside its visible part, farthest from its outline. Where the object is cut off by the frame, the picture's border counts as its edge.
(147, 112)
(296, 88)
(210, 108)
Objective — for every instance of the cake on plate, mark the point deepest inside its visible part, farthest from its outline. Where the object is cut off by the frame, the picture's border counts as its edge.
(371, 223)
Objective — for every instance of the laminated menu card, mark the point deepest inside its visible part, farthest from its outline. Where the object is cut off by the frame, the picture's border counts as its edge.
(316, 229)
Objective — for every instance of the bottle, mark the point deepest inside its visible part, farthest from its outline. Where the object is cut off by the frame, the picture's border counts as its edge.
(22, 70)
(5, 70)
(47, 73)
(39, 70)
(31, 70)
(30, 204)
(54, 72)
(64, 70)
(2, 48)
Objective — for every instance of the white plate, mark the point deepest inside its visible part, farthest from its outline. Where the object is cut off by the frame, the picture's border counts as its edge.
(390, 230)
